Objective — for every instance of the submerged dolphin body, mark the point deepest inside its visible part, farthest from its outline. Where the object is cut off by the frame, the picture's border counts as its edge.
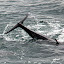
(33, 34)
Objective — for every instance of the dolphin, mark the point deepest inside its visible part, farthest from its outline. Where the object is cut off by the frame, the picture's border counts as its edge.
(31, 33)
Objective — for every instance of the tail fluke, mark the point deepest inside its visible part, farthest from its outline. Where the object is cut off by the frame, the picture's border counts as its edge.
(17, 25)
(12, 29)
(21, 22)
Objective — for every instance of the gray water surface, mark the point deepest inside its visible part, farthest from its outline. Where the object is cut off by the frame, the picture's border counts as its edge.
(45, 17)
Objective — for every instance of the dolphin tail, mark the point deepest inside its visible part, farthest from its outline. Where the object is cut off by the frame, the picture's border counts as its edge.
(12, 29)
(17, 25)
(21, 22)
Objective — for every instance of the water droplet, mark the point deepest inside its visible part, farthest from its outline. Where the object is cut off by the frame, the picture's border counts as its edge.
(29, 61)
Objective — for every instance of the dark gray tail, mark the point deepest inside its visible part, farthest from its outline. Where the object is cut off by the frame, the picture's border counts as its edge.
(17, 25)
(21, 22)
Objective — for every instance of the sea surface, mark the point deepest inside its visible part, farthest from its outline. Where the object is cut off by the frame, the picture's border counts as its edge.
(46, 17)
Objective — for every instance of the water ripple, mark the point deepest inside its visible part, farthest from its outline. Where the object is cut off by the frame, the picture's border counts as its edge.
(46, 18)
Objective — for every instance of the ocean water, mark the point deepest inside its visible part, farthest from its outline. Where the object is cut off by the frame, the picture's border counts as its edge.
(45, 17)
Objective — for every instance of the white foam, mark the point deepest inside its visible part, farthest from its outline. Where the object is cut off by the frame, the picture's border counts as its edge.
(14, 36)
(56, 61)
(61, 36)
(55, 29)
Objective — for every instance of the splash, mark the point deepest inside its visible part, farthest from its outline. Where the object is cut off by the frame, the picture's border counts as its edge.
(17, 34)
(61, 36)
(56, 61)
(10, 36)
(51, 29)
